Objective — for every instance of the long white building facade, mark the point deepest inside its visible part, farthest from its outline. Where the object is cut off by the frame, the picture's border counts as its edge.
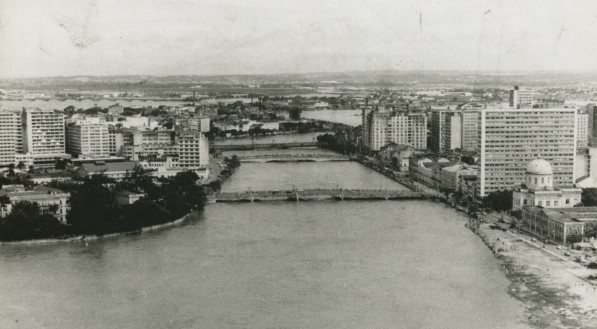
(512, 138)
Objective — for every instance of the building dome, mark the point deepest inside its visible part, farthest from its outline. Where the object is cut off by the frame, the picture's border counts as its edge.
(539, 167)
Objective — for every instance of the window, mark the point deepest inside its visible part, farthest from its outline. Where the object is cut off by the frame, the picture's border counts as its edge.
(547, 203)
(540, 203)
(555, 203)
(524, 202)
(535, 180)
(567, 201)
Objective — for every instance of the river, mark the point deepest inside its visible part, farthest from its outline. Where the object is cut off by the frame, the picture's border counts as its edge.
(347, 117)
(378, 264)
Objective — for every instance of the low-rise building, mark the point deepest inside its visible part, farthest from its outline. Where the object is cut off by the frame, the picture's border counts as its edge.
(51, 201)
(125, 198)
(115, 170)
(552, 224)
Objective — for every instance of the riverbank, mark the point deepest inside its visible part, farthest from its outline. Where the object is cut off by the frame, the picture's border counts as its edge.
(557, 293)
(83, 238)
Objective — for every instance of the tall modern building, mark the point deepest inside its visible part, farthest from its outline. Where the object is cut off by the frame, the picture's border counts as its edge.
(446, 131)
(582, 129)
(88, 140)
(9, 132)
(381, 127)
(43, 132)
(470, 129)
(512, 138)
(193, 150)
(521, 97)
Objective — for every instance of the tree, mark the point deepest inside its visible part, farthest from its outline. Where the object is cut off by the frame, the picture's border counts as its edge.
(24, 222)
(295, 113)
(499, 200)
(11, 169)
(469, 160)
(21, 165)
(589, 197)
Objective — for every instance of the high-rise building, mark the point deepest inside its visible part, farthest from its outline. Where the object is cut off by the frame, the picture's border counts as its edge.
(193, 150)
(381, 127)
(43, 132)
(512, 138)
(9, 129)
(521, 97)
(446, 130)
(88, 140)
(470, 129)
(582, 129)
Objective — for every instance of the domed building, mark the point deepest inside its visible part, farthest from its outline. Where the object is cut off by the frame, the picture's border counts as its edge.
(537, 189)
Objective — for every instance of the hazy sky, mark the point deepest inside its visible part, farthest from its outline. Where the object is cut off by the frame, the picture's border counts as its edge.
(158, 37)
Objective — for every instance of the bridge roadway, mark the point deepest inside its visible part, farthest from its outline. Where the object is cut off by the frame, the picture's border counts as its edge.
(318, 194)
(308, 156)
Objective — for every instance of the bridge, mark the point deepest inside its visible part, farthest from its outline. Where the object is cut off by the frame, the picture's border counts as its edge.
(285, 156)
(318, 195)
(261, 146)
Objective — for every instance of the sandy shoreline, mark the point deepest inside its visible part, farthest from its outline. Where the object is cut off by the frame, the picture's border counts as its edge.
(555, 291)
(83, 238)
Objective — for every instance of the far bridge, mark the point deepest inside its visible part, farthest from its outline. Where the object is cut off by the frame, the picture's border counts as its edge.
(318, 194)
(285, 156)
(260, 146)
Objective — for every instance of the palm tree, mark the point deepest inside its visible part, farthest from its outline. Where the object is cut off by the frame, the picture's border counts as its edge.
(21, 165)
(11, 169)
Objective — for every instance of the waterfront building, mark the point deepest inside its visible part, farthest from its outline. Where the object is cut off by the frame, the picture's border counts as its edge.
(397, 156)
(511, 138)
(381, 127)
(553, 224)
(193, 150)
(8, 138)
(44, 136)
(51, 201)
(538, 189)
(521, 97)
(88, 140)
(142, 143)
(452, 176)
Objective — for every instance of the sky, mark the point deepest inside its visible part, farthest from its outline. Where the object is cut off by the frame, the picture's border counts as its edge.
(41, 38)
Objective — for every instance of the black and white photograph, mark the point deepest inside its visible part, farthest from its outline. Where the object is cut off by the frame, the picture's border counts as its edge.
(289, 164)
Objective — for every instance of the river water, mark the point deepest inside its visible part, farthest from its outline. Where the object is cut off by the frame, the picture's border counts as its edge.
(378, 264)
(347, 117)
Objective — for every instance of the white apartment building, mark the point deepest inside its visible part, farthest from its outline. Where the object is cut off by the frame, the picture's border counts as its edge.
(8, 138)
(43, 132)
(403, 128)
(512, 138)
(193, 150)
(521, 97)
(582, 129)
(88, 140)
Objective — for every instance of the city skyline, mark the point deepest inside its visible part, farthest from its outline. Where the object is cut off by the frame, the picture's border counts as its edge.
(68, 38)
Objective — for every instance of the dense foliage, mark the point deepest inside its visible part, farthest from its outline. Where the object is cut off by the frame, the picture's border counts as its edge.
(589, 197)
(498, 200)
(25, 223)
(336, 142)
(93, 209)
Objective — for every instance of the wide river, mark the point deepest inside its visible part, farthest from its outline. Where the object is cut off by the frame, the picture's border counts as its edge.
(378, 264)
